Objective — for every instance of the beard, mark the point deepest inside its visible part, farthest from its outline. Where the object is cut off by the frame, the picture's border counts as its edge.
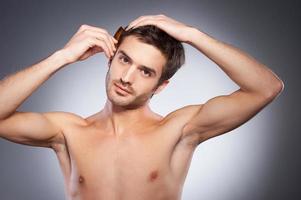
(129, 101)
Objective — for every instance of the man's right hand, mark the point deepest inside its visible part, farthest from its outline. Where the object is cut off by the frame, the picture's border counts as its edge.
(87, 41)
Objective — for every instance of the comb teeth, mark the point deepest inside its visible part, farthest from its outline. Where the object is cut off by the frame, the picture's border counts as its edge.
(118, 33)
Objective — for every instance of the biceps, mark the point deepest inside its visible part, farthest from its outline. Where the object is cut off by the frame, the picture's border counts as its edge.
(36, 129)
(225, 113)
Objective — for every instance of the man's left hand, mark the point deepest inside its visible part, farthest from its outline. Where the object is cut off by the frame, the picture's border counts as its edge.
(172, 27)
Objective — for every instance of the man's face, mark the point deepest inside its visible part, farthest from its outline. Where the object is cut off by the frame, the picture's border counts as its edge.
(136, 68)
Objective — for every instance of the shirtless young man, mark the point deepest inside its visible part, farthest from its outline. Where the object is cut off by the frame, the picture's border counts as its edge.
(126, 151)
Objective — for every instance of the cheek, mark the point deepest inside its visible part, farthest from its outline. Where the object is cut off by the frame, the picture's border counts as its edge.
(145, 86)
(114, 72)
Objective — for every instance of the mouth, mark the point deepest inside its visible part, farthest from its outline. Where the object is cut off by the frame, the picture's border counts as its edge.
(123, 90)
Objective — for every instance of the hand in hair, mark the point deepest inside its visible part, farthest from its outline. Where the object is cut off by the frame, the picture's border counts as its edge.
(89, 40)
(174, 28)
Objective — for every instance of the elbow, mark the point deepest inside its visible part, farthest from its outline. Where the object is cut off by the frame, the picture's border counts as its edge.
(275, 90)
(280, 86)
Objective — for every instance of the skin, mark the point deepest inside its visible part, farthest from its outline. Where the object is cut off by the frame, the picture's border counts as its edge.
(127, 151)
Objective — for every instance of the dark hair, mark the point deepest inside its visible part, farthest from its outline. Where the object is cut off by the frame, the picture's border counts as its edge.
(171, 48)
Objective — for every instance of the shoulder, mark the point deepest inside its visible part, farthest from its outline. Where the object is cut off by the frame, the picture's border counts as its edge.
(178, 119)
(183, 114)
(64, 120)
(61, 118)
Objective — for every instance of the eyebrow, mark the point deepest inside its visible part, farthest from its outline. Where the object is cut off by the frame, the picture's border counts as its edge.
(144, 67)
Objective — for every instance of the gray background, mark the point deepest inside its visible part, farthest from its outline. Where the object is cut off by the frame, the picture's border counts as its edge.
(257, 161)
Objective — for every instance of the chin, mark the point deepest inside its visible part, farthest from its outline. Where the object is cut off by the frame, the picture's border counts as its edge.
(120, 101)
(126, 105)
(127, 102)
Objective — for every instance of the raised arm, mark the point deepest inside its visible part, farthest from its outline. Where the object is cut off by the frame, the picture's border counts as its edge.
(28, 128)
(258, 84)
(258, 87)
(37, 129)
(42, 129)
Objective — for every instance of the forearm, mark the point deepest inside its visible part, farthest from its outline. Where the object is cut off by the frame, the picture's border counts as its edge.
(243, 69)
(16, 88)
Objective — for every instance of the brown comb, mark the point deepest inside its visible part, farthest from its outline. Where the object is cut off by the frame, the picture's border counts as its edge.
(118, 33)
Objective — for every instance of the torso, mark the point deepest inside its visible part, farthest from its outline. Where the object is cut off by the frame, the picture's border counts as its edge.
(150, 163)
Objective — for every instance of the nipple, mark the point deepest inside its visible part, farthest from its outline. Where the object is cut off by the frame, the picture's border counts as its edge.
(153, 175)
(81, 179)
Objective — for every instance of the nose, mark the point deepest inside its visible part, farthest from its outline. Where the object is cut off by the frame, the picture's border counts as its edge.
(128, 75)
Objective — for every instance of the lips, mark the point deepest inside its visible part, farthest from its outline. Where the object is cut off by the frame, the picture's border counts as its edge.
(123, 89)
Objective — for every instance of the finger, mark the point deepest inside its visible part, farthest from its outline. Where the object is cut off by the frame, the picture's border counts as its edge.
(102, 44)
(108, 38)
(105, 32)
(139, 20)
(100, 30)
(88, 27)
(144, 22)
(115, 41)
(112, 43)
(157, 20)
(109, 43)
(108, 52)
(103, 37)
(93, 28)
(81, 28)
(114, 50)
(134, 22)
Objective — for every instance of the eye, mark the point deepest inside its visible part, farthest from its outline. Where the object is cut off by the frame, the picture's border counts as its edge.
(124, 59)
(146, 73)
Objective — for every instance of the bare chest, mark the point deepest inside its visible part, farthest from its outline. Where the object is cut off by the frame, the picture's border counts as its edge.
(117, 158)
(134, 163)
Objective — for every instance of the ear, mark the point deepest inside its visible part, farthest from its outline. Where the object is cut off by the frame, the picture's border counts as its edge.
(162, 86)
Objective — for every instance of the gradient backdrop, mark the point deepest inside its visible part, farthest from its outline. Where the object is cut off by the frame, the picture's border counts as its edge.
(257, 161)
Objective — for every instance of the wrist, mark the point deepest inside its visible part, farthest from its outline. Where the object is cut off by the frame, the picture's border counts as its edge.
(61, 57)
(191, 33)
(199, 39)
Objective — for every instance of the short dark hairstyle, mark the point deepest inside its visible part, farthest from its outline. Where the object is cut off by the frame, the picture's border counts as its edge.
(171, 48)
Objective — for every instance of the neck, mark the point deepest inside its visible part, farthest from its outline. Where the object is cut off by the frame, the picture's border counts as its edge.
(122, 120)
